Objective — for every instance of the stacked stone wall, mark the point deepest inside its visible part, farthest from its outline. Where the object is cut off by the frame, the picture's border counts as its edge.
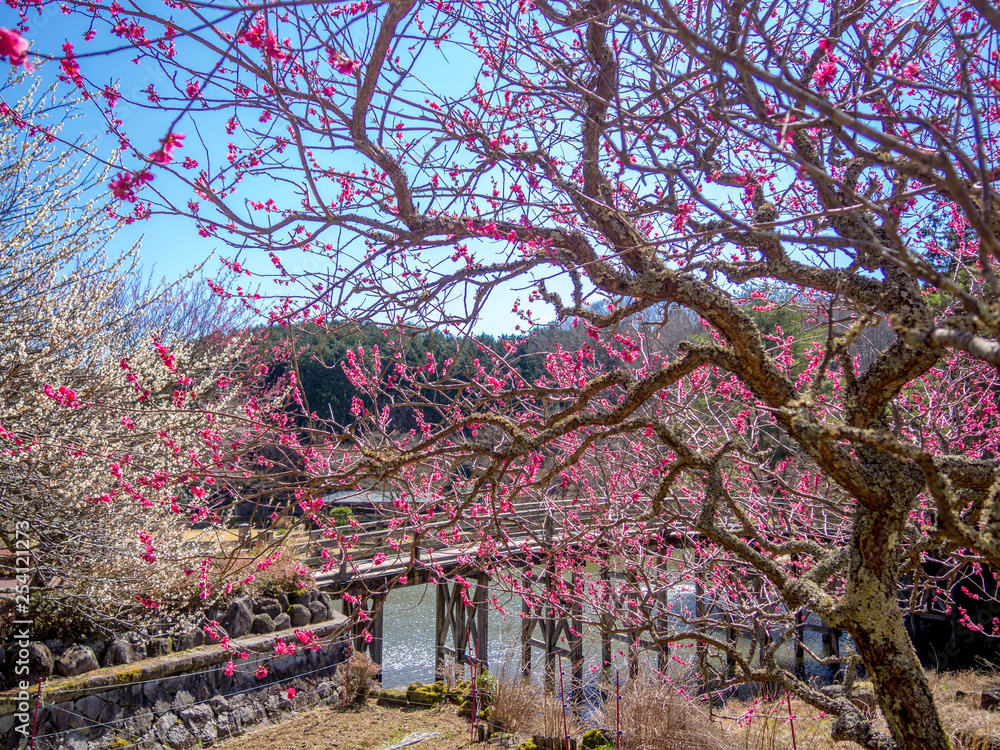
(179, 700)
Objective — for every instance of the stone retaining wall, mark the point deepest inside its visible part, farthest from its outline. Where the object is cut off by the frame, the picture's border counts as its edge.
(179, 700)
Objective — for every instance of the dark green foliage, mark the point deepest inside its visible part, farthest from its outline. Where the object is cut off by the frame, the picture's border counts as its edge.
(317, 356)
(341, 516)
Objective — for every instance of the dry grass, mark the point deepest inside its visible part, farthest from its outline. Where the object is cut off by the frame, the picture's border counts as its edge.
(765, 725)
(550, 716)
(451, 673)
(653, 715)
(957, 695)
(514, 701)
(365, 727)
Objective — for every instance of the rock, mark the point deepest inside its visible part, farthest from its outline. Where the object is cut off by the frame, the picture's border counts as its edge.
(76, 660)
(138, 723)
(262, 624)
(990, 699)
(426, 695)
(90, 706)
(37, 657)
(162, 701)
(319, 612)
(182, 699)
(111, 714)
(391, 697)
(301, 596)
(98, 648)
(283, 602)
(159, 646)
(202, 692)
(63, 716)
(228, 725)
(299, 615)
(119, 651)
(267, 606)
(282, 622)
(238, 619)
(138, 641)
(75, 741)
(201, 721)
(173, 733)
(189, 638)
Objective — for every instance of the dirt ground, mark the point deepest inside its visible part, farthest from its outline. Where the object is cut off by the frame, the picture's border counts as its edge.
(370, 727)
(375, 727)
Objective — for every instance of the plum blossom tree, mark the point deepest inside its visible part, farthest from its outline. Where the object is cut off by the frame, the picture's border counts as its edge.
(115, 437)
(712, 158)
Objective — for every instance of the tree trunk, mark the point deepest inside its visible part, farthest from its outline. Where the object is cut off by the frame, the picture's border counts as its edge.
(900, 683)
(876, 624)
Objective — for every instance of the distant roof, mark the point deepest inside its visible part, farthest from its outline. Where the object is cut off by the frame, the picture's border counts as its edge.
(356, 497)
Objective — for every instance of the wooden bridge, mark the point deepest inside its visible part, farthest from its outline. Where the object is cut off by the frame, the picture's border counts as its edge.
(370, 567)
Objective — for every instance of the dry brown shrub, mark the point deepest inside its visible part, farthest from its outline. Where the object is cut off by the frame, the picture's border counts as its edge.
(287, 573)
(363, 672)
(514, 701)
(654, 716)
(549, 720)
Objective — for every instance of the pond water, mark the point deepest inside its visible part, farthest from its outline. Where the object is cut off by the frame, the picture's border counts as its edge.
(408, 642)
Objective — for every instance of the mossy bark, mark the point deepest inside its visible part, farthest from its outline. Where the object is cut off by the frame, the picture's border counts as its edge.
(876, 624)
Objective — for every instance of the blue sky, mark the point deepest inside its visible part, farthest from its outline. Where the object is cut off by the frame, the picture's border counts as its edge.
(170, 247)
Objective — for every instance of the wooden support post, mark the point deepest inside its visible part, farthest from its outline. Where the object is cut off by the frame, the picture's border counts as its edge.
(481, 614)
(660, 627)
(440, 630)
(453, 616)
(459, 626)
(699, 612)
(527, 626)
(831, 640)
(377, 630)
(763, 641)
(633, 649)
(800, 635)
(549, 630)
(607, 625)
(575, 636)
(732, 639)
(662, 655)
